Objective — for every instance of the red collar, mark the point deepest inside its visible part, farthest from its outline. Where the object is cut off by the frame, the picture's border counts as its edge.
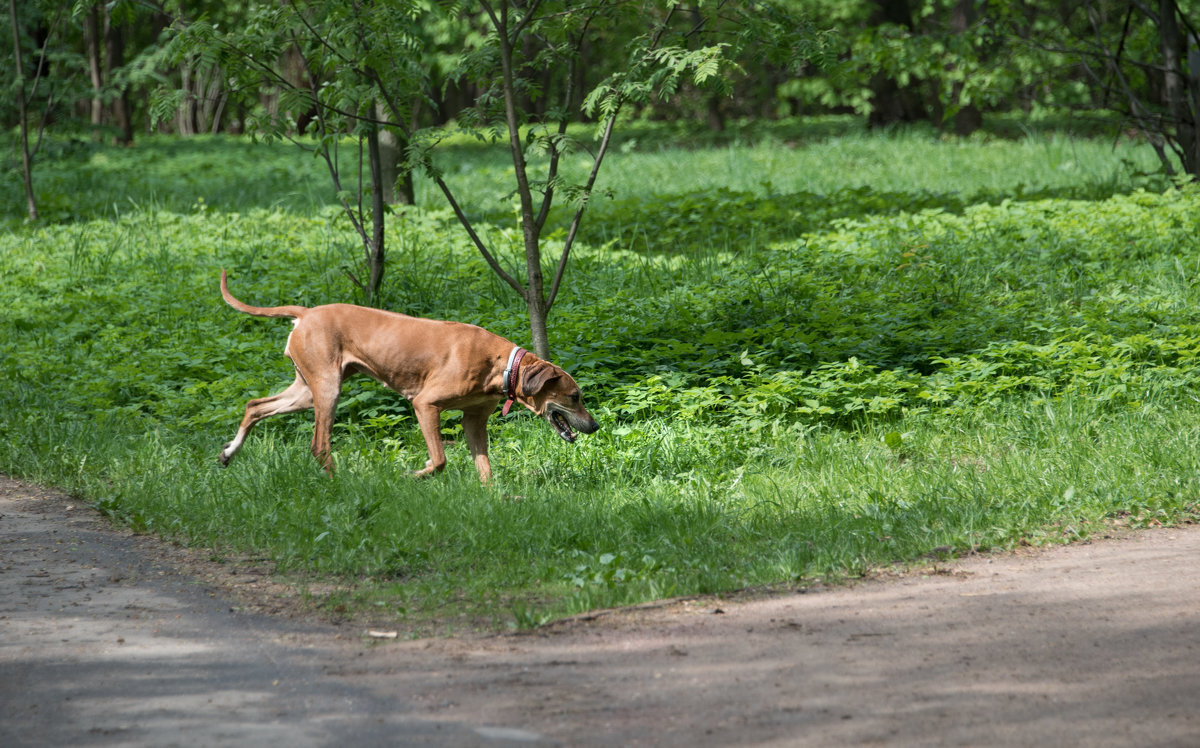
(511, 376)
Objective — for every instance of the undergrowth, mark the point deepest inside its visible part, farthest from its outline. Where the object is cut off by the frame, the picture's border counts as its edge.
(793, 383)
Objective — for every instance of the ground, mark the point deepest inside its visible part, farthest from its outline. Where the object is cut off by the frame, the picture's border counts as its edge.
(108, 638)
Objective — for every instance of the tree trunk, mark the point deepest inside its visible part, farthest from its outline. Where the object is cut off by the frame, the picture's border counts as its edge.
(1176, 84)
(184, 121)
(714, 115)
(91, 35)
(397, 182)
(114, 45)
(538, 330)
(890, 103)
(375, 247)
(389, 156)
(26, 161)
(968, 118)
(535, 297)
(1194, 89)
(217, 96)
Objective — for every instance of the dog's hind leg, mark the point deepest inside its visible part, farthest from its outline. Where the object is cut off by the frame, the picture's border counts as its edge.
(295, 398)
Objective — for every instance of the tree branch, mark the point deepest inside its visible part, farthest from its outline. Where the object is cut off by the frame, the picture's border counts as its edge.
(275, 77)
(1136, 110)
(330, 161)
(320, 39)
(587, 192)
(483, 250)
(487, 8)
(26, 162)
(529, 14)
(1120, 45)
(37, 79)
(555, 152)
(605, 139)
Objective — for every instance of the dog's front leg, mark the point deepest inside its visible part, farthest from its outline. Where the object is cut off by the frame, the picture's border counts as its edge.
(430, 419)
(324, 408)
(475, 430)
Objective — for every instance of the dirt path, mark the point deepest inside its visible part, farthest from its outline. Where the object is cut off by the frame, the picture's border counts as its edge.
(103, 641)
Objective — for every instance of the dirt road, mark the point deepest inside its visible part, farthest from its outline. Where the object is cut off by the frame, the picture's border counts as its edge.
(104, 641)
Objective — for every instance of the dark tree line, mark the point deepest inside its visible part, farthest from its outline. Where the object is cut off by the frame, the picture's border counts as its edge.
(945, 61)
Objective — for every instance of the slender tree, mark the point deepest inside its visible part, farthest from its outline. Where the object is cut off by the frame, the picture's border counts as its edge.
(527, 74)
(344, 68)
(24, 93)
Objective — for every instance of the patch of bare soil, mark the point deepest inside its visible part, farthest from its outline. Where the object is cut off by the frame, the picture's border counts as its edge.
(106, 638)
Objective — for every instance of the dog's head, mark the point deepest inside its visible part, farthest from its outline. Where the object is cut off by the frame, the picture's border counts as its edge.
(551, 393)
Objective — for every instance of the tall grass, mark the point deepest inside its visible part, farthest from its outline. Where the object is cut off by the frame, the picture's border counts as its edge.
(670, 511)
(900, 162)
(797, 381)
(75, 178)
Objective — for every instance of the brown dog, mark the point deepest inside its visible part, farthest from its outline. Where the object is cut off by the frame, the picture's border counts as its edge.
(437, 365)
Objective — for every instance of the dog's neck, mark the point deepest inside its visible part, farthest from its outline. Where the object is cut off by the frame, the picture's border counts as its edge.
(512, 372)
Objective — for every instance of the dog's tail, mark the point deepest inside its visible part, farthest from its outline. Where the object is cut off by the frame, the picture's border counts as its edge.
(259, 311)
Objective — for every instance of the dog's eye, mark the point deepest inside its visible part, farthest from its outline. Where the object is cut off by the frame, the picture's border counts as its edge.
(575, 397)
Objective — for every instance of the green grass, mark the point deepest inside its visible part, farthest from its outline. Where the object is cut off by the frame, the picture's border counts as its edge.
(902, 346)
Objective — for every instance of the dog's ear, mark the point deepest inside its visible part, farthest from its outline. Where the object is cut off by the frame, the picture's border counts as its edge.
(538, 376)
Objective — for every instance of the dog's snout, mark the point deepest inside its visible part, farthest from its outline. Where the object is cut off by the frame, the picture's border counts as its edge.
(588, 425)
